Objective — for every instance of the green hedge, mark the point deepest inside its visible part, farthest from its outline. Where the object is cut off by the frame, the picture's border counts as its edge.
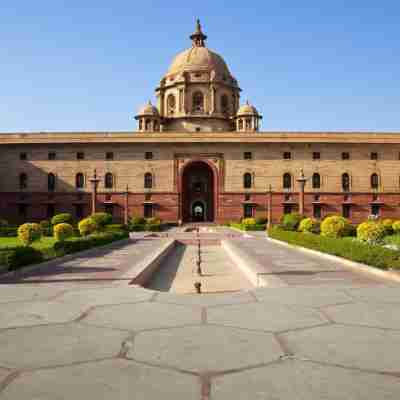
(16, 257)
(244, 227)
(376, 256)
(144, 227)
(8, 231)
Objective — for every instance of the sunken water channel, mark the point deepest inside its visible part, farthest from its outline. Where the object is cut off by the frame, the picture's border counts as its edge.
(180, 271)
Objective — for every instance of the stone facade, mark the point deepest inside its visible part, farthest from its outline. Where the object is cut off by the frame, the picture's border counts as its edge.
(198, 126)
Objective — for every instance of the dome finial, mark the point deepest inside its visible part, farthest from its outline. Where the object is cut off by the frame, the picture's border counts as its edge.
(198, 37)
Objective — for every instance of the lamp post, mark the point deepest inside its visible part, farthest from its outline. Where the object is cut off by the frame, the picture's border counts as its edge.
(269, 215)
(126, 205)
(95, 183)
(302, 182)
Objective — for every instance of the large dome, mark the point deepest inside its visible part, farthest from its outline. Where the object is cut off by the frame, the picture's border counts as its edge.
(198, 59)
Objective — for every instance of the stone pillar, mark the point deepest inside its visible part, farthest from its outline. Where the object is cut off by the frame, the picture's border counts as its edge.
(302, 183)
(95, 183)
(126, 210)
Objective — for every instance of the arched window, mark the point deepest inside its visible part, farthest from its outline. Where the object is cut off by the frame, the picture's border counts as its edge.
(171, 104)
(156, 127)
(374, 181)
(148, 180)
(147, 125)
(140, 124)
(51, 182)
(79, 180)
(198, 102)
(23, 181)
(316, 181)
(346, 182)
(287, 181)
(240, 124)
(248, 123)
(108, 180)
(247, 180)
(224, 104)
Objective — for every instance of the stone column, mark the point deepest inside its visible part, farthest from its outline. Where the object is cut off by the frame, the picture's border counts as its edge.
(126, 211)
(95, 183)
(302, 183)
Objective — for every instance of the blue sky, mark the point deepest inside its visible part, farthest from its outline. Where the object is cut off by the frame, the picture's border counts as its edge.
(307, 65)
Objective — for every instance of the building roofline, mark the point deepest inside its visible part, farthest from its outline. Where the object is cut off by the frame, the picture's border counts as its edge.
(199, 137)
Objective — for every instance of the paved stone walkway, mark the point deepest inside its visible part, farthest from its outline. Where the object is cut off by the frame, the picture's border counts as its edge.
(330, 340)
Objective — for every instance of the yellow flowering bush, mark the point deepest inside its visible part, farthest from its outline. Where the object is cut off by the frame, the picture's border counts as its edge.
(248, 221)
(63, 231)
(396, 227)
(370, 232)
(308, 225)
(334, 226)
(87, 226)
(28, 233)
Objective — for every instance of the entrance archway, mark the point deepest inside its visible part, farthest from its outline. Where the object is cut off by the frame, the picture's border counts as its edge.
(197, 189)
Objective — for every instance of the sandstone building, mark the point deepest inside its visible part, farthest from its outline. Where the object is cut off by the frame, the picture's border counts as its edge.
(199, 155)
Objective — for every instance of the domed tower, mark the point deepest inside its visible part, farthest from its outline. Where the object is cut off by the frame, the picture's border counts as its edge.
(198, 93)
(248, 119)
(149, 118)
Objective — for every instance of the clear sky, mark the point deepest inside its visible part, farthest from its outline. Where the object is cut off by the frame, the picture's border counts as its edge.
(80, 65)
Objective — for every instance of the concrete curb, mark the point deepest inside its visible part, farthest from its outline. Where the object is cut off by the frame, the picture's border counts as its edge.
(20, 273)
(141, 273)
(393, 276)
(254, 272)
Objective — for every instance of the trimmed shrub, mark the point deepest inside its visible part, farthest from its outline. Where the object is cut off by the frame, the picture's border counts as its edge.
(370, 232)
(136, 227)
(153, 221)
(387, 224)
(19, 256)
(376, 256)
(116, 227)
(8, 231)
(47, 228)
(334, 226)
(261, 220)
(138, 221)
(87, 226)
(153, 227)
(101, 219)
(396, 227)
(63, 231)
(28, 233)
(61, 219)
(290, 222)
(309, 225)
(248, 221)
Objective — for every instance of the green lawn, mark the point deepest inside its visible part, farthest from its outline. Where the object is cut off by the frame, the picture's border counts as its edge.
(43, 243)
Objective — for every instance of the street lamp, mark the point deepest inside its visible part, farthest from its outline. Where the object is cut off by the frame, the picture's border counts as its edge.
(95, 183)
(302, 182)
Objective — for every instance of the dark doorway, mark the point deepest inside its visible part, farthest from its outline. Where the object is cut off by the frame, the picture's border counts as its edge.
(198, 193)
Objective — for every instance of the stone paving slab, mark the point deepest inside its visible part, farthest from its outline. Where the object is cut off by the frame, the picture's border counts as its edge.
(110, 379)
(50, 345)
(376, 294)
(349, 346)
(11, 293)
(296, 380)
(140, 316)
(265, 317)
(185, 348)
(367, 314)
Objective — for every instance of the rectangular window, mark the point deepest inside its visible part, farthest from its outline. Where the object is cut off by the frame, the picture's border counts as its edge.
(248, 211)
(148, 211)
(52, 155)
(317, 211)
(109, 155)
(51, 210)
(345, 156)
(79, 211)
(287, 209)
(374, 156)
(80, 155)
(23, 156)
(109, 209)
(346, 210)
(148, 155)
(247, 155)
(316, 155)
(287, 155)
(375, 210)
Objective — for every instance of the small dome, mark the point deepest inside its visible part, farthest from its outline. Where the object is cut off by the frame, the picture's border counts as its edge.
(247, 109)
(148, 109)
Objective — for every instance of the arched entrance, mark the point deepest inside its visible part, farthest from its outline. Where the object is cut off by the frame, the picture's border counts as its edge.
(198, 185)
